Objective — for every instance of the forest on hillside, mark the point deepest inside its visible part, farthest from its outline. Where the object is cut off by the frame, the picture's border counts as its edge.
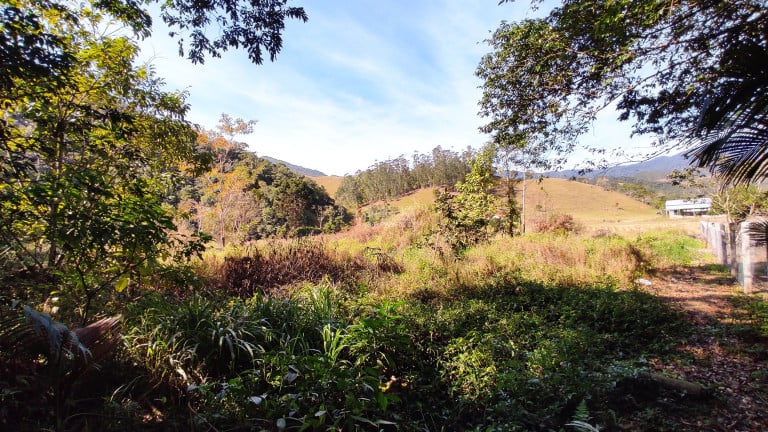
(396, 177)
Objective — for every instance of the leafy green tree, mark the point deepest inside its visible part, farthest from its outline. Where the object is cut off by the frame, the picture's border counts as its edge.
(739, 203)
(28, 49)
(678, 69)
(465, 217)
(294, 205)
(88, 156)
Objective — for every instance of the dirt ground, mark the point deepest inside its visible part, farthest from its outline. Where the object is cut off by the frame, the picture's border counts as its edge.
(725, 358)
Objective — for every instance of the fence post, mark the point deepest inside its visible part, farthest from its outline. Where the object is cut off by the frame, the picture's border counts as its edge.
(745, 275)
(721, 244)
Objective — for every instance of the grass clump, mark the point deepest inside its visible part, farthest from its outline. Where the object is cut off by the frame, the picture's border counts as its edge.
(252, 363)
(669, 248)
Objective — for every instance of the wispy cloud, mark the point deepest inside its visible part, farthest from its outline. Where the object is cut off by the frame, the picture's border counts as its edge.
(361, 81)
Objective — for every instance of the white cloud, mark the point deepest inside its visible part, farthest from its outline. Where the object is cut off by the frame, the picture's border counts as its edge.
(361, 81)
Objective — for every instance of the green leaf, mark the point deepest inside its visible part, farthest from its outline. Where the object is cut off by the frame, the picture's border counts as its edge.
(122, 282)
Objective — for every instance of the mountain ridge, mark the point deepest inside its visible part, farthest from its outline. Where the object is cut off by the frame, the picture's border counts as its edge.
(655, 169)
(298, 169)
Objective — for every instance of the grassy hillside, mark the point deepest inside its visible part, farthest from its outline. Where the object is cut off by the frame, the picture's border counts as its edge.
(583, 201)
(596, 208)
(330, 183)
(592, 206)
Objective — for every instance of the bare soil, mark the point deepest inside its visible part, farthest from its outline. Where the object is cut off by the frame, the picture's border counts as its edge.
(724, 355)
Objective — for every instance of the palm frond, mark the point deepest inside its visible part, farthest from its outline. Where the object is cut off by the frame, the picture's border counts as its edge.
(26, 331)
(732, 133)
(758, 232)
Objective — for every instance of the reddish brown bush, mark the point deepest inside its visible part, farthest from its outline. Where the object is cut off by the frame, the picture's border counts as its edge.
(557, 223)
(272, 268)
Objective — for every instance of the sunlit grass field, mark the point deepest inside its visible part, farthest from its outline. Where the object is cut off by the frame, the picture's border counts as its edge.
(330, 183)
(596, 209)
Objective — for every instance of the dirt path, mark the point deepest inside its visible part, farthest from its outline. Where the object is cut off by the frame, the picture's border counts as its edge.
(722, 356)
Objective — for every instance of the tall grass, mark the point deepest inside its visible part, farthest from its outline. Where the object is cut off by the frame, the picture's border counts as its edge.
(516, 334)
(272, 267)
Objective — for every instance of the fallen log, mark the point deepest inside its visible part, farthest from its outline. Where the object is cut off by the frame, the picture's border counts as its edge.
(690, 388)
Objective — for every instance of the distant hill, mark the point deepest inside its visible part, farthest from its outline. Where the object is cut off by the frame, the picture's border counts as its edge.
(655, 169)
(296, 168)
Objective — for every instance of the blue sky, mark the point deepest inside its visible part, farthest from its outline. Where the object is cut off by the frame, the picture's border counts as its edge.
(361, 81)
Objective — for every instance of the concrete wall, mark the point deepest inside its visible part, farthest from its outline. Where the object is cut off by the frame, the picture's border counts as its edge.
(735, 250)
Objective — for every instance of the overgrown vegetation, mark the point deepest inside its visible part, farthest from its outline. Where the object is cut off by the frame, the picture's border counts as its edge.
(305, 336)
(114, 316)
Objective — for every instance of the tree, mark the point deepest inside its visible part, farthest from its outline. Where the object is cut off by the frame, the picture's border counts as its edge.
(226, 205)
(676, 68)
(88, 157)
(739, 203)
(466, 216)
(28, 50)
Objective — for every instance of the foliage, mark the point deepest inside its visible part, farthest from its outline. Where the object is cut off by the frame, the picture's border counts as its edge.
(466, 216)
(277, 265)
(671, 66)
(396, 177)
(668, 248)
(739, 202)
(257, 362)
(557, 223)
(255, 27)
(244, 197)
(376, 214)
(88, 156)
(754, 311)
(499, 350)
(31, 51)
(733, 122)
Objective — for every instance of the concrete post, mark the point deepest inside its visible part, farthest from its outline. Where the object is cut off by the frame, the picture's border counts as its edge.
(745, 275)
(721, 243)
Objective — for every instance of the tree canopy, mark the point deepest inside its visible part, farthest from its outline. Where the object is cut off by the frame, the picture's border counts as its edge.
(679, 70)
(93, 145)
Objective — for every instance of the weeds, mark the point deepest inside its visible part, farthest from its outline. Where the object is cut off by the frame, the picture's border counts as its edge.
(269, 269)
(526, 333)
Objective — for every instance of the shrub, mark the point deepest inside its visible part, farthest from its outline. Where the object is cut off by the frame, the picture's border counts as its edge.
(279, 264)
(248, 364)
(669, 248)
(557, 223)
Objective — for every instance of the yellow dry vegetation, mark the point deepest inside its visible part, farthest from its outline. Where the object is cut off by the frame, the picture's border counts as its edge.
(596, 208)
(419, 198)
(592, 206)
(330, 183)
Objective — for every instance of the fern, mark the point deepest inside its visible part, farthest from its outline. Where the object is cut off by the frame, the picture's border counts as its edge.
(581, 417)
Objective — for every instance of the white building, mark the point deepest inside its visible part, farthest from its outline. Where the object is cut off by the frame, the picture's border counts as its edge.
(688, 207)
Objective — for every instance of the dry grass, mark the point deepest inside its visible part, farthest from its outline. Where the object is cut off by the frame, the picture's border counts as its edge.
(273, 267)
(559, 260)
(419, 198)
(330, 183)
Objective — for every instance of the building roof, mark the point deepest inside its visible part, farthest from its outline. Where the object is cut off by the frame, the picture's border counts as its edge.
(689, 204)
